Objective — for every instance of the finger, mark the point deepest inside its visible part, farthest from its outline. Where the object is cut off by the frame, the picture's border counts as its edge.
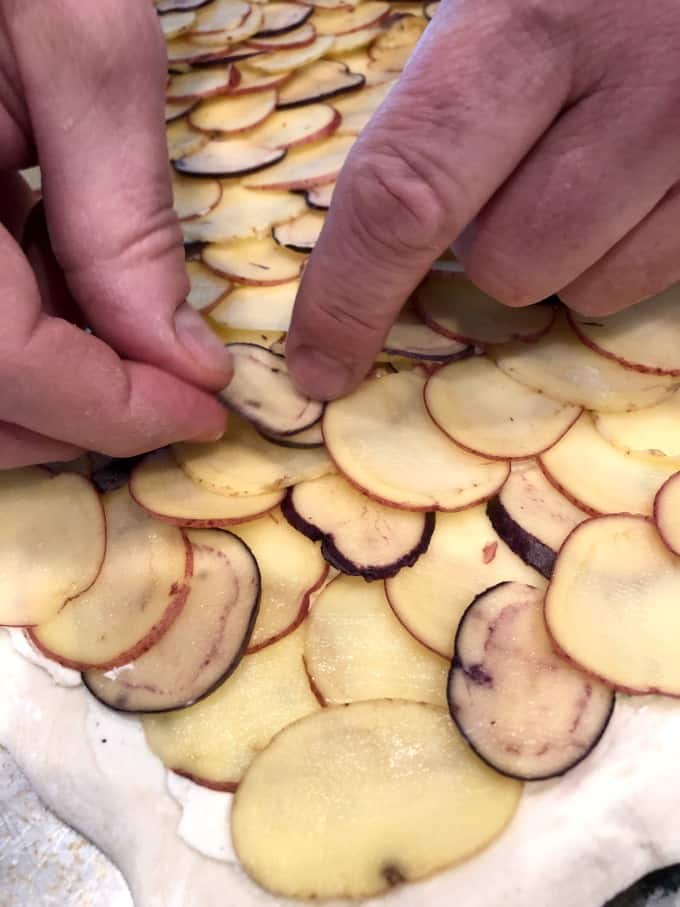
(61, 382)
(642, 264)
(16, 202)
(19, 447)
(465, 112)
(94, 89)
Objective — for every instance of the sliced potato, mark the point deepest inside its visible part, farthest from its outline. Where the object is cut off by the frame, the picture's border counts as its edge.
(45, 519)
(299, 126)
(317, 82)
(303, 806)
(301, 234)
(207, 288)
(292, 58)
(175, 110)
(283, 17)
(254, 262)
(310, 165)
(358, 108)
(220, 16)
(320, 197)
(231, 37)
(258, 308)
(195, 199)
(241, 213)
(361, 65)
(233, 113)
(411, 338)
(653, 432)
(297, 37)
(228, 157)
(215, 740)
(176, 23)
(183, 139)
(354, 40)
(341, 21)
(253, 81)
(201, 83)
(390, 52)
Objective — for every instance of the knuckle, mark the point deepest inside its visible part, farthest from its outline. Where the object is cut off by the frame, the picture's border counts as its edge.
(496, 276)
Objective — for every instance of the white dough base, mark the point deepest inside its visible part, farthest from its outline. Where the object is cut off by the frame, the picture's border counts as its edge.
(576, 841)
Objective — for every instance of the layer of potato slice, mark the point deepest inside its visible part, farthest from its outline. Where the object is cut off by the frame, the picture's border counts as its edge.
(354, 40)
(296, 37)
(301, 234)
(175, 24)
(317, 82)
(341, 21)
(304, 167)
(310, 437)
(233, 114)
(599, 477)
(182, 139)
(652, 432)
(565, 369)
(283, 17)
(382, 439)
(258, 308)
(207, 288)
(175, 110)
(249, 25)
(358, 536)
(201, 83)
(205, 643)
(228, 157)
(320, 197)
(532, 517)
(141, 588)
(254, 262)
(293, 58)
(45, 519)
(166, 492)
(246, 463)
(220, 15)
(482, 409)
(465, 557)
(361, 64)
(358, 108)
(612, 605)
(241, 214)
(215, 740)
(292, 569)
(195, 199)
(356, 649)
(524, 709)
(296, 126)
(307, 823)
(410, 337)
(252, 80)
(455, 307)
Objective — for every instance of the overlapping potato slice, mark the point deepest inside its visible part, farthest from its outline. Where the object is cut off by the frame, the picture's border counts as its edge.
(599, 477)
(283, 17)
(233, 113)
(230, 37)
(320, 197)
(667, 513)
(652, 432)
(195, 199)
(360, 63)
(205, 643)
(465, 557)
(172, 6)
(207, 288)
(297, 37)
(201, 83)
(177, 23)
(254, 262)
(253, 81)
(305, 167)
(303, 797)
(241, 214)
(354, 40)
(215, 740)
(524, 709)
(410, 337)
(391, 51)
(292, 58)
(141, 588)
(358, 108)
(167, 493)
(46, 519)
(258, 308)
(342, 21)
(612, 605)
(183, 139)
(356, 649)
(301, 234)
(317, 82)
(228, 157)
(310, 437)
(382, 439)
(296, 126)
(175, 110)
(220, 16)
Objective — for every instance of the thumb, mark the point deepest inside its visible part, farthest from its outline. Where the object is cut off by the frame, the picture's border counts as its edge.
(94, 85)
(479, 91)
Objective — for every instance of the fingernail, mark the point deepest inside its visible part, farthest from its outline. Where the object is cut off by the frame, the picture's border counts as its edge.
(209, 437)
(318, 374)
(199, 341)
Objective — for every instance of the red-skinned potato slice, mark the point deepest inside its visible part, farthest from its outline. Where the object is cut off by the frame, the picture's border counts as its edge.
(214, 741)
(612, 604)
(241, 214)
(194, 199)
(358, 536)
(410, 337)
(262, 338)
(390, 52)
(645, 337)
(254, 262)
(310, 437)
(282, 18)
(258, 308)
(333, 4)
(298, 37)
(599, 477)
(220, 16)
(218, 619)
(301, 234)
(201, 83)
(464, 558)
(292, 569)
(456, 308)
(254, 81)
(172, 6)
(320, 197)
(182, 139)
(382, 439)
(361, 65)
(182, 52)
(357, 109)
(652, 432)
(299, 126)
(262, 391)
(175, 110)
(532, 517)
(207, 288)
(246, 463)
(341, 22)
(321, 811)
(249, 26)
(141, 588)
(317, 82)
(562, 367)
(292, 58)
(356, 649)
(177, 23)
(667, 513)
(354, 40)
(233, 114)
(228, 157)
(228, 53)
(523, 709)
(161, 488)
(483, 410)
(45, 519)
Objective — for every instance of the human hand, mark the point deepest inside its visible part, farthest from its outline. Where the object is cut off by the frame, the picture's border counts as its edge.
(541, 138)
(81, 90)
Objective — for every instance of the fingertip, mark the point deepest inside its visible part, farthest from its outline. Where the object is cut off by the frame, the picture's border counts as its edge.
(202, 346)
(317, 374)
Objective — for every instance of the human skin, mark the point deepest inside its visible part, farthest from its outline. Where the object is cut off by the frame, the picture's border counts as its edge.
(539, 137)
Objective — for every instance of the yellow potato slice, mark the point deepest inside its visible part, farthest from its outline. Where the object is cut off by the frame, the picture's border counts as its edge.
(307, 822)
(391, 51)
(354, 40)
(296, 126)
(652, 432)
(305, 167)
(175, 24)
(232, 114)
(255, 262)
(258, 308)
(294, 57)
(183, 139)
(52, 543)
(343, 21)
(667, 513)
(194, 199)
(241, 214)
(207, 288)
(358, 108)
(317, 81)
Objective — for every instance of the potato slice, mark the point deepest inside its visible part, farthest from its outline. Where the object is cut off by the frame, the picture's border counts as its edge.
(201, 83)
(307, 823)
(320, 197)
(391, 51)
(141, 588)
(246, 463)
(354, 40)
(167, 493)
(182, 139)
(46, 519)
(290, 59)
(174, 6)
(176, 23)
(228, 157)
(358, 536)
(465, 558)
(207, 288)
(667, 513)
(532, 517)
(258, 308)
(297, 37)
(310, 165)
(341, 21)
(254, 262)
(241, 214)
(232, 38)
(283, 17)
(525, 710)
(195, 199)
(214, 741)
(232, 113)
(382, 439)
(567, 370)
(485, 411)
(299, 126)
(361, 65)
(358, 108)
(288, 582)
(220, 16)
(310, 437)
(410, 337)
(599, 477)
(254, 81)
(356, 649)
(301, 234)
(456, 308)
(653, 432)
(175, 110)
(317, 82)
(205, 643)
(612, 605)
